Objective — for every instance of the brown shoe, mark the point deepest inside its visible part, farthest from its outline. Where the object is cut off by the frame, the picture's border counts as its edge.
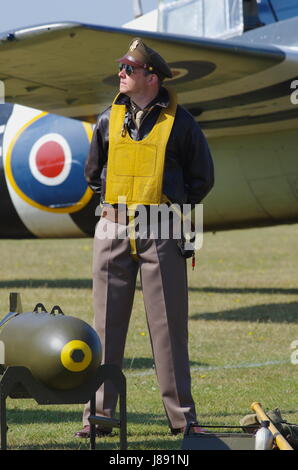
(85, 432)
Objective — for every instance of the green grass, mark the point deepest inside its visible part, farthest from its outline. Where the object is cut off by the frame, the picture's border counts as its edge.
(243, 311)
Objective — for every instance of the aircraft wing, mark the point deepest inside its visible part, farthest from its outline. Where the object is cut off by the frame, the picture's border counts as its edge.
(70, 69)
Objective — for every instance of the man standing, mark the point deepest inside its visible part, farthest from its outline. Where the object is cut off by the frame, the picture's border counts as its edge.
(149, 151)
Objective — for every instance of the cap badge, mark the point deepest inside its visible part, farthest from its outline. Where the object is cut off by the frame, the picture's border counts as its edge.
(134, 45)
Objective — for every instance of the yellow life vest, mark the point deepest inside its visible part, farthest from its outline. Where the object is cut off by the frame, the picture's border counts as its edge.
(135, 168)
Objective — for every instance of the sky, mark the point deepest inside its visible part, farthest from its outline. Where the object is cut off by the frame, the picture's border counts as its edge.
(20, 13)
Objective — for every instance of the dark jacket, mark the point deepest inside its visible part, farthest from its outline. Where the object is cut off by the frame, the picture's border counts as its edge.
(188, 174)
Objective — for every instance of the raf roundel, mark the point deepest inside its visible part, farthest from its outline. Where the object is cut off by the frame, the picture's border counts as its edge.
(45, 163)
(50, 159)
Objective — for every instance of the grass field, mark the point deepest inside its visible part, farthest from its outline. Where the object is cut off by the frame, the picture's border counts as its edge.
(243, 319)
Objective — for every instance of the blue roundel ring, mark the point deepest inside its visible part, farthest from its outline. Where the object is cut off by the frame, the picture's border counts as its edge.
(45, 163)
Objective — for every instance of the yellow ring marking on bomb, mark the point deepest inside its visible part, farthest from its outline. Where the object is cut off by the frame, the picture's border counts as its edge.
(68, 361)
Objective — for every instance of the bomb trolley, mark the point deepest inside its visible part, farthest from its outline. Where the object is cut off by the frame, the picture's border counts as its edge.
(18, 382)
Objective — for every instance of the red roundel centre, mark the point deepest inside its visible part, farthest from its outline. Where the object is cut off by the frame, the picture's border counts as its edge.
(50, 159)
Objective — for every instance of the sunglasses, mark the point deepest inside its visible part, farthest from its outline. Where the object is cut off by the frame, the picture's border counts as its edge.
(129, 69)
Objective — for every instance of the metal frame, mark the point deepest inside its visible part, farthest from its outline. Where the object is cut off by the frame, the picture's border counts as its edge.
(212, 440)
(18, 382)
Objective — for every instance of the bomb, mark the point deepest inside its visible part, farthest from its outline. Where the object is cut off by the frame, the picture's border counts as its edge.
(61, 351)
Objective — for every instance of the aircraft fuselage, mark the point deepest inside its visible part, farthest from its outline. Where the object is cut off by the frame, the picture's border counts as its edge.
(43, 191)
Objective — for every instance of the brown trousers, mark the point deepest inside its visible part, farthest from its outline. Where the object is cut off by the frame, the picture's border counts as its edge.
(164, 285)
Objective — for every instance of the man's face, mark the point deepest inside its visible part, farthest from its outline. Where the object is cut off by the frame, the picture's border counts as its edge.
(133, 84)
